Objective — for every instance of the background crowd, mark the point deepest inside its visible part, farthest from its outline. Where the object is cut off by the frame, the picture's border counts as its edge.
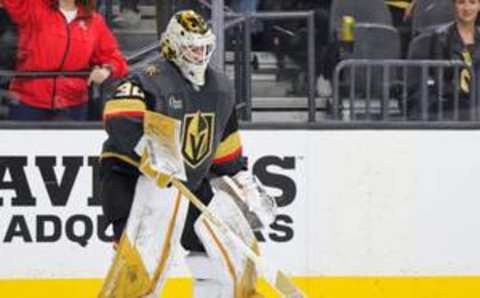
(69, 35)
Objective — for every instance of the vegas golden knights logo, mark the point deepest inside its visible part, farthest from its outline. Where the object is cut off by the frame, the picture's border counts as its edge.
(197, 137)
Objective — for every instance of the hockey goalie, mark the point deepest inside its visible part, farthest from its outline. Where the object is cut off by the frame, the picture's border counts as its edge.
(175, 120)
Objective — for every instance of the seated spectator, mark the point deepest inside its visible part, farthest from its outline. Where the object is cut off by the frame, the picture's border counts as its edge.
(60, 35)
(129, 16)
(459, 40)
(298, 48)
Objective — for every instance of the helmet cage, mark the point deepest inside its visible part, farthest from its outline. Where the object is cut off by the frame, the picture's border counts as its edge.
(197, 51)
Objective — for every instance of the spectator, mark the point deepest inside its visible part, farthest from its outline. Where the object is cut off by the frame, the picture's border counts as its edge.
(402, 20)
(129, 16)
(60, 35)
(290, 39)
(8, 41)
(401, 9)
(459, 40)
(409, 10)
(8, 49)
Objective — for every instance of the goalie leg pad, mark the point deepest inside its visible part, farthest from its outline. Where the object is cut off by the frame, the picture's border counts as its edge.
(153, 229)
(207, 282)
(230, 273)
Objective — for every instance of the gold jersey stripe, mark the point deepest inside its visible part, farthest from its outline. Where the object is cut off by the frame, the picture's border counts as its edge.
(124, 105)
(231, 144)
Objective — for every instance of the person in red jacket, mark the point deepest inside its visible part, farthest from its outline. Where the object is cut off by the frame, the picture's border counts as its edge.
(60, 35)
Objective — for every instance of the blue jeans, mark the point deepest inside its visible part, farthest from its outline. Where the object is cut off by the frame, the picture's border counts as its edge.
(22, 112)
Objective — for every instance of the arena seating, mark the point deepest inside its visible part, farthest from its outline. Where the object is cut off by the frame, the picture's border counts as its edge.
(374, 41)
(431, 13)
(364, 11)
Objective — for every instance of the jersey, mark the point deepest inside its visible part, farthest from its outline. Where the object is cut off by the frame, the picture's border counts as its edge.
(210, 141)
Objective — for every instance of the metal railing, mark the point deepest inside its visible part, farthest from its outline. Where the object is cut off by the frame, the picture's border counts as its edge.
(245, 21)
(95, 89)
(241, 62)
(403, 90)
(243, 68)
(220, 23)
(43, 74)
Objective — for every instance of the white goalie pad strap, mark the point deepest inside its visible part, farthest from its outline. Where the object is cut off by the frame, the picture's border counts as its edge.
(154, 226)
(227, 264)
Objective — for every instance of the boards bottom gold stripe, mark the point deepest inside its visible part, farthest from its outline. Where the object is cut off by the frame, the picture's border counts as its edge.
(314, 287)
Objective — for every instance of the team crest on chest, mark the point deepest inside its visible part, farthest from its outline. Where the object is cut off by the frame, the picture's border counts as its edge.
(197, 140)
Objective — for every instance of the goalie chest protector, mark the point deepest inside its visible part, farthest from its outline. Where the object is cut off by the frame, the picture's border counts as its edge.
(204, 113)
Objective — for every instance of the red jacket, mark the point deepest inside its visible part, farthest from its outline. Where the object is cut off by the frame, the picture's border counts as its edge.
(48, 43)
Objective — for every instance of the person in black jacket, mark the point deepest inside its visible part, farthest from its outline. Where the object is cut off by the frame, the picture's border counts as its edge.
(458, 41)
(8, 49)
(8, 41)
(290, 39)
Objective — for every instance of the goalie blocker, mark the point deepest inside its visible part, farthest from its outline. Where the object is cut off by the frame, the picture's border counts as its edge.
(149, 221)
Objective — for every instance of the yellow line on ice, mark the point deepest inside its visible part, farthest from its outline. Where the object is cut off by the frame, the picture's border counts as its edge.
(314, 287)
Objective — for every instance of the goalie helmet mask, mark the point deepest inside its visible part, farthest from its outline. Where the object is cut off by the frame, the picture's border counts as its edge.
(189, 43)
